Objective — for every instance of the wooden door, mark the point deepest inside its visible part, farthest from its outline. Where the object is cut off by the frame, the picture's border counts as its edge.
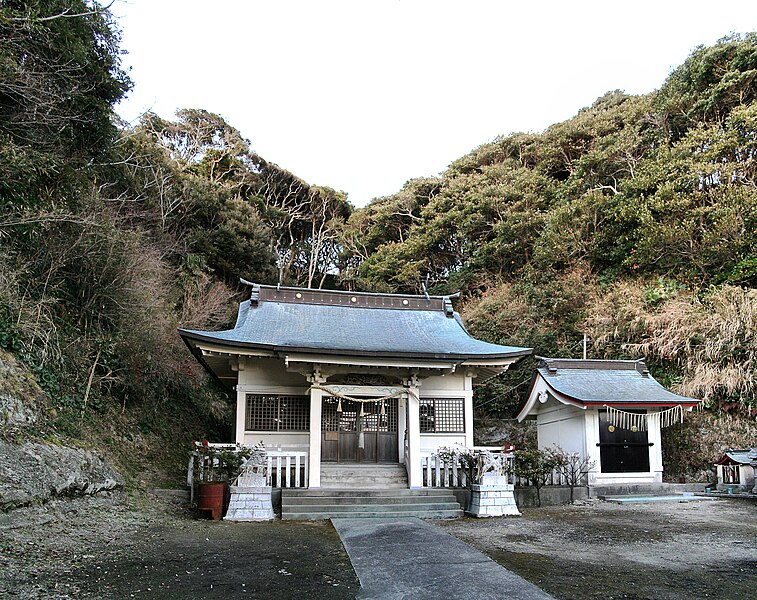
(622, 450)
(359, 432)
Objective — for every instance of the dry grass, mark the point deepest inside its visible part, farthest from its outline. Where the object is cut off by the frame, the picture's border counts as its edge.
(712, 339)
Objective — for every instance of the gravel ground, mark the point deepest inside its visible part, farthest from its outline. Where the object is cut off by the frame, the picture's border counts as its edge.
(670, 550)
(100, 548)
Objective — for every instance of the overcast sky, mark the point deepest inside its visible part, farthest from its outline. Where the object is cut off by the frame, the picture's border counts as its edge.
(363, 95)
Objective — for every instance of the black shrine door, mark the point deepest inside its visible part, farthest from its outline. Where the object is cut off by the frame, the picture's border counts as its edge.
(359, 432)
(622, 450)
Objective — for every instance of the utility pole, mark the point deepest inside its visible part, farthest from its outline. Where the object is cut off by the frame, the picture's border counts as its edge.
(584, 346)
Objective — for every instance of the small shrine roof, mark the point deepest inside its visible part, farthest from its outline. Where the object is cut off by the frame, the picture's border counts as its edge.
(739, 457)
(610, 382)
(352, 323)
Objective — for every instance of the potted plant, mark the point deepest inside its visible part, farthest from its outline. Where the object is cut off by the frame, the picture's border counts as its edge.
(215, 467)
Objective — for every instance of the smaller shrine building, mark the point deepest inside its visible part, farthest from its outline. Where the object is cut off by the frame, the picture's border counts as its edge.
(611, 411)
(736, 471)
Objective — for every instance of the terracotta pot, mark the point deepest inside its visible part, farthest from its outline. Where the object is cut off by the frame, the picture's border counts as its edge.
(211, 496)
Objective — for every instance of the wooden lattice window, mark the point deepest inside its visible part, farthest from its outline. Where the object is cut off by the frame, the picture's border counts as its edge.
(442, 415)
(346, 415)
(277, 413)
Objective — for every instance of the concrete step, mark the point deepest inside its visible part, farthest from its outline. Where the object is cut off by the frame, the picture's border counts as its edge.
(343, 508)
(427, 514)
(363, 476)
(363, 501)
(644, 488)
(293, 492)
(434, 503)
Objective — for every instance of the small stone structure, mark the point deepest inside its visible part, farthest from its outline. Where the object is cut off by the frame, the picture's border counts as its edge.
(251, 497)
(493, 497)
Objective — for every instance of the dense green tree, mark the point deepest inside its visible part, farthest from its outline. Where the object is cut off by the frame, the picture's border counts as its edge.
(533, 227)
(60, 74)
(709, 84)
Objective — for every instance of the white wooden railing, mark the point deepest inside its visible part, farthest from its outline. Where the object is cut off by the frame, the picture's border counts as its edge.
(556, 478)
(436, 473)
(287, 467)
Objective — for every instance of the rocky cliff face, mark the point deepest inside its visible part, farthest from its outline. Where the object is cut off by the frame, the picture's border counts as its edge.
(32, 471)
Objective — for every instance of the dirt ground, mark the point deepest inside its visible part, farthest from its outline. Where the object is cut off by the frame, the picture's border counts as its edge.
(670, 550)
(98, 549)
(87, 549)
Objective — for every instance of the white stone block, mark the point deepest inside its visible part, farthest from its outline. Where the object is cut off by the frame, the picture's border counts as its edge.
(250, 503)
(493, 500)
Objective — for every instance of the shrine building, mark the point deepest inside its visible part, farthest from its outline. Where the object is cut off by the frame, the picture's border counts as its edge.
(350, 378)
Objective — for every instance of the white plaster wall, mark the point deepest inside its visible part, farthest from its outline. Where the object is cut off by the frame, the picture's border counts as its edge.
(267, 376)
(432, 441)
(591, 427)
(268, 373)
(287, 441)
(454, 385)
(561, 426)
(654, 436)
(443, 383)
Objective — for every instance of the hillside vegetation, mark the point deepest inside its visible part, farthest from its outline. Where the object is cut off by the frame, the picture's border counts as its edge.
(633, 222)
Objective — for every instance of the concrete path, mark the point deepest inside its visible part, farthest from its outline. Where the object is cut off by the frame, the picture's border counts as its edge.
(409, 558)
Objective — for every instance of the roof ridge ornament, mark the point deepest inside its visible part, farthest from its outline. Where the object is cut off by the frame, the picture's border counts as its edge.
(449, 310)
(254, 293)
(641, 366)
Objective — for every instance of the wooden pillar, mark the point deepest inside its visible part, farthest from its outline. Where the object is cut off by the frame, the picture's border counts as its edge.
(241, 415)
(238, 364)
(413, 459)
(654, 436)
(468, 405)
(401, 426)
(591, 439)
(316, 404)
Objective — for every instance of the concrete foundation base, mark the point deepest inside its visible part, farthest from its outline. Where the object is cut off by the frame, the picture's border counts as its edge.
(493, 498)
(250, 501)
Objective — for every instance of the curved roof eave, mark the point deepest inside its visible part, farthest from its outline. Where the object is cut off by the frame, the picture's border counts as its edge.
(670, 398)
(188, 334)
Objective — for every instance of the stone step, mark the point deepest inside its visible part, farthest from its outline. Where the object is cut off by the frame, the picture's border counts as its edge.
(369, 514)
(363, 482)
(364, 485)
(292, 492)
(431, 503)
(351, 508)
(362, 467)
(363, 500)
(246, 489)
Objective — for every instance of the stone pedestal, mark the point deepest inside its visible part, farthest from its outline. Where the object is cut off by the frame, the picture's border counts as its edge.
(250, 500)
(493, 497)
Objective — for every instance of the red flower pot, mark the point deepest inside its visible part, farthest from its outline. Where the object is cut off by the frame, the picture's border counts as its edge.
(211, 496)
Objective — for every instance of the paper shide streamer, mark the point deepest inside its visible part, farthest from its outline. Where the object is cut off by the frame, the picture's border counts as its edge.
(639, 421)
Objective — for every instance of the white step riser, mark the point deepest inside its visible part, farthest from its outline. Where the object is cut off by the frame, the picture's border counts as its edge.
(314, 516)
